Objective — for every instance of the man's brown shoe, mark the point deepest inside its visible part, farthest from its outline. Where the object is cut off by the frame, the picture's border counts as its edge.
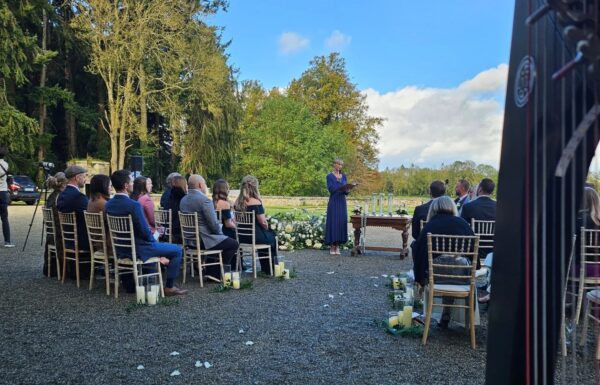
(170, 292)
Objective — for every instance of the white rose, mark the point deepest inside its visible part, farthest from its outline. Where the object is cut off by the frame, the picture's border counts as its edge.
(283, 247)
(289, 228)
(318, 246)
(308, 242)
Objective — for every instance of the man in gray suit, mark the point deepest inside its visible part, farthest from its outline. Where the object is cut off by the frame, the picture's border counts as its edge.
(211, 235)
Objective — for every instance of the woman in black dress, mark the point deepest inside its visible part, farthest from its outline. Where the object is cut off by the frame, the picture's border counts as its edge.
(249, 200)
(220, 197)
(178, 191)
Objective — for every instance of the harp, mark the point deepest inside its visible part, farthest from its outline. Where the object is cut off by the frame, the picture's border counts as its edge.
(549, 138)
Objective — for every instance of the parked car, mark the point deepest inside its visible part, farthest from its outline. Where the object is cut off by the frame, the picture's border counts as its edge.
(23, 189)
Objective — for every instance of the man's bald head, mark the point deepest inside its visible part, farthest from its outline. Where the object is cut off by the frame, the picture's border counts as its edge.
(197, 182)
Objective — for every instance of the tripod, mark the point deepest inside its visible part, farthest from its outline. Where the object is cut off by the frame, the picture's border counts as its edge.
(37, 203)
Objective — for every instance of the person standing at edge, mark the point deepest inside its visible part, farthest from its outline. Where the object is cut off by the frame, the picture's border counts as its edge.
(336, 227)
(4, 198)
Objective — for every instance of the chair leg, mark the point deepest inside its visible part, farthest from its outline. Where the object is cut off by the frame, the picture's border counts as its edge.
(106, 276)
(49, 252)
(200, 275)
(598, 346)
(271, 263)
(64, 267)
(91, 272)
(586, 322)
(77, 267)
(185, 266)
(116, 280)
(580, 294)
(58, 273)
(254, 258)
(427, 316)
(160, 280)
(472, 320)
(221, 265)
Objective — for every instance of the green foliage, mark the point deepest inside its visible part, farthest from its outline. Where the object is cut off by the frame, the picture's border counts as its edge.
(286, 148)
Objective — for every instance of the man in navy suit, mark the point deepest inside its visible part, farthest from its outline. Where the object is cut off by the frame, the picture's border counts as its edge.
(483, 208)
(437, 188)
(146, 246)
(73, 200)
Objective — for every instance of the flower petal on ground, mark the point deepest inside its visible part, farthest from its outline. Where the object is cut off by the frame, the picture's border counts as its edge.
(174, 354)
(140, 367)
(249, 343)
(207, 364)
(198, 364)
(175, 373)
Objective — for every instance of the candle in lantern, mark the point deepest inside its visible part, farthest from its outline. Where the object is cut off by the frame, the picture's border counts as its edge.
(407, 316)
(277, 270)
(404, 281)
(395, 283)
(381, 198)
(392, 319)
(286, 273)
(156, 289)
(236, 283)
(374, 201)
(227, 279)
(140, 294)
(390, 198)
(152, 297)
(410, 292)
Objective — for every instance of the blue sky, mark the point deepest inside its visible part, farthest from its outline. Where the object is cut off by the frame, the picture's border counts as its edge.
(394, 50)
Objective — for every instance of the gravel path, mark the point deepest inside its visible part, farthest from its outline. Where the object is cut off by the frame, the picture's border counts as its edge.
(57, 334)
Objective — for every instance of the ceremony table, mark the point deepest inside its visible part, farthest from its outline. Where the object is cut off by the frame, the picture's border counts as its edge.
(396, 222)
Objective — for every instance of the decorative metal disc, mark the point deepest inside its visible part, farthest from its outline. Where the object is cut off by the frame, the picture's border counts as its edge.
(524, 81)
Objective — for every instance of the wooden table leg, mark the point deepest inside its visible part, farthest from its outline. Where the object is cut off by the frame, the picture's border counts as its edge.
(356, 248)
(404, 252)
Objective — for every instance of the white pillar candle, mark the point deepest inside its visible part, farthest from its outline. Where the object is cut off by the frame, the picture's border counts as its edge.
(140, 294)
(236, 283)
(395, 283)
(227, 279)
(286, 273)
(152, 297)
(407, 316)
(390, 199)
(374, 201)
(381, 198)
(156, 289)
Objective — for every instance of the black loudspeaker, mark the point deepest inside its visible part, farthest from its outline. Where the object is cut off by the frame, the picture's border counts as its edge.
(136, 163)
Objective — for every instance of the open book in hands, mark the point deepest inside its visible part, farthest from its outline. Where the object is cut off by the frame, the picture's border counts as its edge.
(348, 187)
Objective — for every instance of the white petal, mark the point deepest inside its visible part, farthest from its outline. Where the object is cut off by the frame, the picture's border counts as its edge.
(140, 367)
(174, 353)
(341, 294)
(175, 373)
(326, 305)
(331, 295)
(198, 364)
(376, 285)
(207, 365)
(384, 275)
(374, 277)
(241, 331)
(330, 272)
(249, 343)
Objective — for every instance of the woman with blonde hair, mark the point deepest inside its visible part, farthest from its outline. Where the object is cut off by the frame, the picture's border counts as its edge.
(250, 200)
(57, 183)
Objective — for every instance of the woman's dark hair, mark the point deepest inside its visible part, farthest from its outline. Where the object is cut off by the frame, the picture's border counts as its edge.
(220, 190)
(178, 187)
(99, 187)
(139, 187)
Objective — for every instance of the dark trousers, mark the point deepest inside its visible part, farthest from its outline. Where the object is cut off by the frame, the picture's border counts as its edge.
(229, 248)
(4, 200)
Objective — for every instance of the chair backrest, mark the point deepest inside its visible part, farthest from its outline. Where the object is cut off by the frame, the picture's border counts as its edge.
(451, 248)
(68, 228)
(485, 230)
(423, 223)
(122, 237)
(590, 253)
(190, 230)
(94, 223)
(49, 227)
(164, 223)
(245, 225)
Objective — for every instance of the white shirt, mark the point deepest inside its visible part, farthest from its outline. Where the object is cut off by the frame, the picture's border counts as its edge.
(3, 185)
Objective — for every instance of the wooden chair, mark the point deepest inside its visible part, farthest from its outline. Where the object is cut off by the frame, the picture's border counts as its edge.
(563, 318)
(246, 228)
(452, 246)
(98, 246)
(163, 220)
(123, 244)
(589, 256)
(192, 249)
(68, 227)
(485, 230)
(592, 299)
(423, 223)
(50, 228)
(219, 215)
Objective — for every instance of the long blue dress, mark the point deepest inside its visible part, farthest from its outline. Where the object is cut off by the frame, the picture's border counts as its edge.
(336, 225)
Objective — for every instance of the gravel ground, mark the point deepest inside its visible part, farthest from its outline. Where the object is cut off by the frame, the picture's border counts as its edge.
(57, 334)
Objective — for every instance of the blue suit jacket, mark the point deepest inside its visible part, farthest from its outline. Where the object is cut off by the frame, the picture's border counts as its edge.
(482, 208)
(121, 205)
(440, 224)
(72, 200)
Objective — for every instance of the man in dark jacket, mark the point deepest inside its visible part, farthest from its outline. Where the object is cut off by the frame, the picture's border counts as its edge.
(72, 200)
(437, 188)
(483, 208)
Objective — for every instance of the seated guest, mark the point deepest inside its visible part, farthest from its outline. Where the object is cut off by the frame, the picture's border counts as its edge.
(141, 193)
(100, 194)
(442, 219)
(589, 218)
(462, 194)
(483, 208)
(57, 183)
(165, 203)
(211, 236)
(71, 199)
(220, 195)
(249, 200)
(146, 246)
(178, 191)
(437, 188)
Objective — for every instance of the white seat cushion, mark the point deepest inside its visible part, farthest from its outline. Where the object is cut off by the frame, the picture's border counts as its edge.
(594, 296)
(456, 288)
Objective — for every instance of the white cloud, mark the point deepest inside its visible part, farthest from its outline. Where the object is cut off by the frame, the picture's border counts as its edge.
(430, 126)
(292, 42)
(337, 40)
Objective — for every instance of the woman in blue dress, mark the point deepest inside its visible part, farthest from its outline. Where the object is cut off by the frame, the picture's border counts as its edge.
(249, 200)
(336, 226)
